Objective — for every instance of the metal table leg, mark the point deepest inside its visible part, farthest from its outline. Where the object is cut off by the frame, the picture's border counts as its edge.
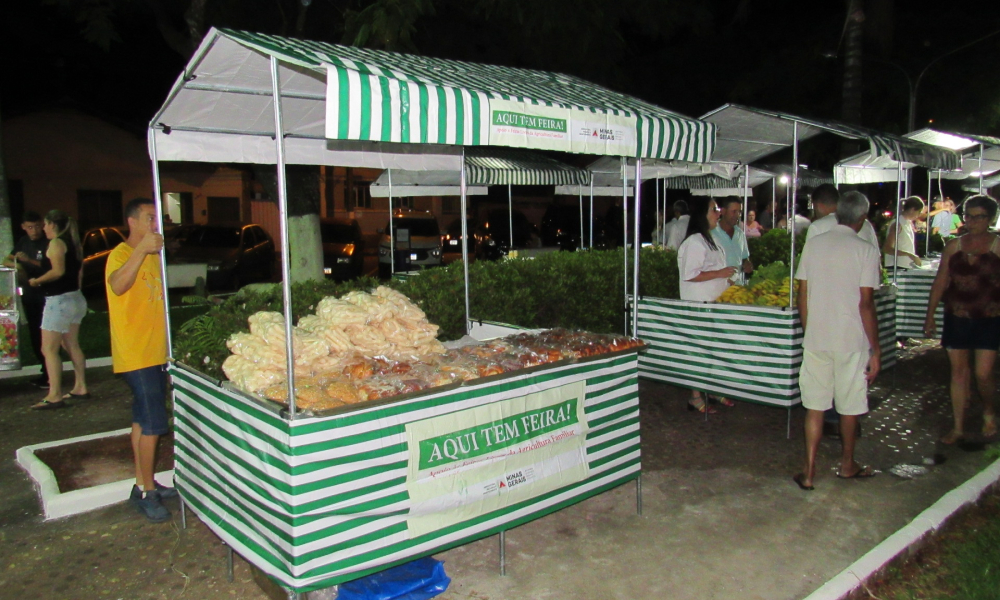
(229, 563)
(184, 522)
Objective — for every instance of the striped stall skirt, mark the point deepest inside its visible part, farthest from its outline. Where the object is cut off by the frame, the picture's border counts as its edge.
(912, 298)
(743, 352)
(317, 501)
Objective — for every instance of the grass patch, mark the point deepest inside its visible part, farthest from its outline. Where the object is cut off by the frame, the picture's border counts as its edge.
(95, 333)
(962, 561)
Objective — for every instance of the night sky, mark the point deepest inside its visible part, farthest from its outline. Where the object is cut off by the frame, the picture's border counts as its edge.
(689, 56)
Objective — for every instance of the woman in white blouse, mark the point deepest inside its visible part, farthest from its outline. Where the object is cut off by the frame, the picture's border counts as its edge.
(703, 271)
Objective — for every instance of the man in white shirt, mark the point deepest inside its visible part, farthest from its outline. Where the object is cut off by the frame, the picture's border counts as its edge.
(677, 228)
(730, 237)
(824, 200)
(841, 355)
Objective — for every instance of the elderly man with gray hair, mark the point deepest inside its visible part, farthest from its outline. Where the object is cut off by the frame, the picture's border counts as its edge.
(838, 274)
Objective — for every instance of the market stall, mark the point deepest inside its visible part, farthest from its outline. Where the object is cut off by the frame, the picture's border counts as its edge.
(485, 166)
(314, 498)
(912, 298)
(752, 353)
(10, 357)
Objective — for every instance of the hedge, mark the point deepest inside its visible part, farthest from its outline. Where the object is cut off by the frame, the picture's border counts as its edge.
(576, 290)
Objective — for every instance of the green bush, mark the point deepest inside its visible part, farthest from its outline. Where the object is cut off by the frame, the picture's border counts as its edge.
(579, 290)
(773, 246)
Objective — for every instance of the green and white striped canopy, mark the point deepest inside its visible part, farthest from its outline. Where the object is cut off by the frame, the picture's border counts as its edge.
(484, 167)
(502, 166)
(747, 134)
(332, 92)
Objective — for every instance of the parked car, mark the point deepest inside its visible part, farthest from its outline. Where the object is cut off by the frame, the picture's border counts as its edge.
(235, 254)
(343, 248)
(418, 242)
(493, 239)
(451, 241)
(97, 245)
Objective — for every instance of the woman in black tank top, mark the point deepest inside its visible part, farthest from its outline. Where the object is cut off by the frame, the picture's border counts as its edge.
(65, 308)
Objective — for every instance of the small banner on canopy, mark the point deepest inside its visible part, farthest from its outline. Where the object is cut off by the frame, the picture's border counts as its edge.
(476, 461)
(524, 125)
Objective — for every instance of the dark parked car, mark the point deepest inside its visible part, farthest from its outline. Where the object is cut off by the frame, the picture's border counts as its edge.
(418, 242)
(493, 239)
(451, 241)
(97, 245)
(235, 254)
(343, 248)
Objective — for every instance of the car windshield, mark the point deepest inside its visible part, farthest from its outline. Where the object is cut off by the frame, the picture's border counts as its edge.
(212, 237)
(417, 227)
(337, 232)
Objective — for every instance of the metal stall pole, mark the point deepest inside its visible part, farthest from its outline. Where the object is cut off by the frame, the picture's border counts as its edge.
(581, 245)
(229, 563)
(184, 516)
(981, 150)
(659, 216)
(746, 197)
(158, 201)
(624, 164)
(638, 495)
(774, 202)
(392, 236)
(591, 244)
(286, 283)
(927, 221)
(503, 553)
(636, 247)
(510, 216)
(899, 201)
(465, 236)
(794, 183)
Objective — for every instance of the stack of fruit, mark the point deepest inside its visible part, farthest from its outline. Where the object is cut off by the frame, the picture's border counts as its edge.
(770, 286)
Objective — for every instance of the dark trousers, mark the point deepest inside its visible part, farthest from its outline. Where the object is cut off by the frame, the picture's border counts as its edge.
(33, 314)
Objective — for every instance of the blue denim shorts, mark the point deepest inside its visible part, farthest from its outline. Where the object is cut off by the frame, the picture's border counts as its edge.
(961, 333)
(149, 398)
(63, 310)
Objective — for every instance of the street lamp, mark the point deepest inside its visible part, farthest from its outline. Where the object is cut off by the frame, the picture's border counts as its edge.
(914, 85)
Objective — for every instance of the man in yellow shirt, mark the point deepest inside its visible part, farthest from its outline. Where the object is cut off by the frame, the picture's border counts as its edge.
(139, 346)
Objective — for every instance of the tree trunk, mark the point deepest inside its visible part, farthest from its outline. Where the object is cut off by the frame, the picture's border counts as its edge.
(6, 227)
(853, 51)
(305, 244)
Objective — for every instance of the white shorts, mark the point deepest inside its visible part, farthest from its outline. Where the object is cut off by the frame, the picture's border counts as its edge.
(826, 377)
(63, 310)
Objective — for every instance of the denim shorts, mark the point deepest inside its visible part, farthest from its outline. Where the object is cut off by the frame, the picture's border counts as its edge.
(63, 310)
(149, 398)
(961, 333)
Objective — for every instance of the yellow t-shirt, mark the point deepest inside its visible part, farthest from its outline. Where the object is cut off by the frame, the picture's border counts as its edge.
(138, 324)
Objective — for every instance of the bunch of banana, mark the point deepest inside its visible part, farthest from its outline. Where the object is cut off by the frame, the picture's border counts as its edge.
(737, 294)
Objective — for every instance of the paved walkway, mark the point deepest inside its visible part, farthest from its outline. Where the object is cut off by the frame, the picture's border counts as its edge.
(721, 516)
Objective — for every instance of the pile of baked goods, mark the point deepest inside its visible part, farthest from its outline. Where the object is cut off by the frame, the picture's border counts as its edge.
(370, 346)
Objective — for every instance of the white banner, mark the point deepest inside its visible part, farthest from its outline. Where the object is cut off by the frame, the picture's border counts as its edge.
(479, 460)
(523, 125)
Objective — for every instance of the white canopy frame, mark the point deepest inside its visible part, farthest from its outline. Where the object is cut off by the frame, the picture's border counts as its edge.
(255, 99)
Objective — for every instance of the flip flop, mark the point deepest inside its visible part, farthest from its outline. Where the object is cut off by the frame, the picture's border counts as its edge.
(72, 396)
(46, 405)
(863, 472)
(798, 479)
